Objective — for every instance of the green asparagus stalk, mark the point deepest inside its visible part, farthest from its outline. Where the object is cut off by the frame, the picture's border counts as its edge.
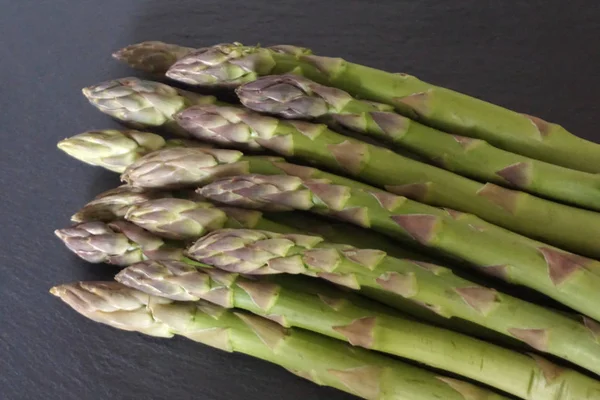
(143, 104)
(562, 276)
(292, 96)
(323, 360)
(153, 56)
(234, 64)
(568, 227)
(118, 244)
(245, 251)
(181, 168)
(333, 313)
(182, 219)
(195, 167)
(116, 149)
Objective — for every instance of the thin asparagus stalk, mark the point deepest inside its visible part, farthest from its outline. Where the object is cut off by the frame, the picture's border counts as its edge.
(115, 149)
(559, 275)
(246, 252)
(322, 360)
(143, 104)
(564, 226)
(231, 65)
(292, 96)
(335, 314)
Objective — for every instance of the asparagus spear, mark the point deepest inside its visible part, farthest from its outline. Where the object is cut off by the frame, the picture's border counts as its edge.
(118, 244)
(234, 64)
(332, 313)
(143, 104)
(116, 149)
(160, 214)
(559, 275)
(258, 252)
(195, 167)
(292, 96)
(178, 168)
(153, 56)
(315, 357)
(571, 228)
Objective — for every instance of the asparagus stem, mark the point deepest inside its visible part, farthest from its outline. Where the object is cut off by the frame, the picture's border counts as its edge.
(562, 276)
(320, 359)
(231, 65)
(433, 286)
(568, 227)
(292, 96)
(332, 313)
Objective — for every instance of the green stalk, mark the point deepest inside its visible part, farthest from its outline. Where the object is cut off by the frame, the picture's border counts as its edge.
(562, 276)
(122, 243)
(568, 227)
(333, 313)
(320, 359)
(184, 168)
(293, 96)
(234, 64)
(433, 286)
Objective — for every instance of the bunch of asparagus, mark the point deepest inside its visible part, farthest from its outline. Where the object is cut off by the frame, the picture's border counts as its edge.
(458, 235)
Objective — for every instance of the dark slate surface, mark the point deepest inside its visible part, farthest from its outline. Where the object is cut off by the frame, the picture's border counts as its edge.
(537, 56)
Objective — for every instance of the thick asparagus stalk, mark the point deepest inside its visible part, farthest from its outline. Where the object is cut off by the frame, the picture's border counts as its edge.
(143, 104)
(115, 150)
(153, 56)
(235, 64)
(335, 314)
(562, 276)
(436, 287)
(292, 96)
(322, 360)
(568, 227)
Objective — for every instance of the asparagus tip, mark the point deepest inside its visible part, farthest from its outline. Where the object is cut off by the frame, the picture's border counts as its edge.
(56, 291)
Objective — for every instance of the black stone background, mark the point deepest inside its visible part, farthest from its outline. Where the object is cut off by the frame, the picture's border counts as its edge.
(536, 56)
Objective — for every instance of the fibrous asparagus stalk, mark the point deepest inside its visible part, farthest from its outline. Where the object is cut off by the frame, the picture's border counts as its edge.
(153, 56)
(568, 227)
(315, 357)
(436, 287)
(143, 104)
(335, 314)
(292, 96)
(235, 64)
(560, 275)
(115, 149)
